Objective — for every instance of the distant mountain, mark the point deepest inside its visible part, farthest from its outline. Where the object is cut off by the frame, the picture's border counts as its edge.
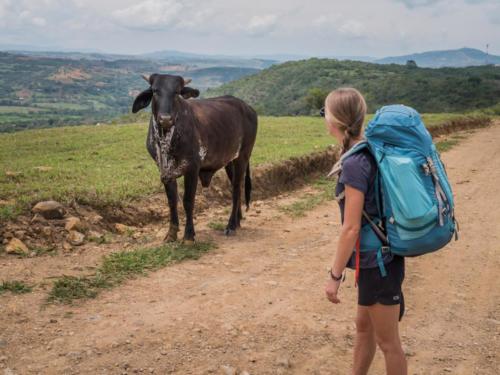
(299, 87)
(208, 60)
(450, 58)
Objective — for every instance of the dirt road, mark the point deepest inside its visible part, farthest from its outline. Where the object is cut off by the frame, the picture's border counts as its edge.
(257, 304)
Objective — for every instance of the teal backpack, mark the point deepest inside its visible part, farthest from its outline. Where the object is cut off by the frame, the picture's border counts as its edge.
(414, 197)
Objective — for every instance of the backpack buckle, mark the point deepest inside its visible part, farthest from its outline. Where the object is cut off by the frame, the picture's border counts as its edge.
(385, 249)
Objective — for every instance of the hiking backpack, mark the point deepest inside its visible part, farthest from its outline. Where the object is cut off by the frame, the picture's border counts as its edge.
(414, 197)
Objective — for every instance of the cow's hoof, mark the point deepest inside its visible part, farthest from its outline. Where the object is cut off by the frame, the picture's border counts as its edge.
(170, 238)
(230, 232)
(172, 234)
(188, 242)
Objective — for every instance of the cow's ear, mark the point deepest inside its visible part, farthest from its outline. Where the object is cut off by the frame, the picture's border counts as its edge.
(188, 92)
(142, 100)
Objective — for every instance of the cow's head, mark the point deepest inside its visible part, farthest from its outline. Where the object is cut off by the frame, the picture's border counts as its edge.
(164, 94)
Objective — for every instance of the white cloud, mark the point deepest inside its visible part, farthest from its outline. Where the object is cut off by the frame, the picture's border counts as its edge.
(262, 24)
(150, 14)
(334, 27)
(352, 28)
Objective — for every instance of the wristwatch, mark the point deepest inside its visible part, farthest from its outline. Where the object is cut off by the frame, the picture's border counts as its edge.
(333, 276)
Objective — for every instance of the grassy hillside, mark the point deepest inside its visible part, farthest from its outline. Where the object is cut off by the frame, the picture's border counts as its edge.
(109, 165)
(38, 91)
(298, 87)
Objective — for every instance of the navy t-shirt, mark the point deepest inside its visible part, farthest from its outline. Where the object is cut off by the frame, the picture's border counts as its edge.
(359, 171)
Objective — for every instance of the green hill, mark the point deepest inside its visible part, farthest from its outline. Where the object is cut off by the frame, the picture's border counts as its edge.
(299, 87)
(46, 91)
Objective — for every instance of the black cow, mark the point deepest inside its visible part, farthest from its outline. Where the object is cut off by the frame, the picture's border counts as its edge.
(194, 139)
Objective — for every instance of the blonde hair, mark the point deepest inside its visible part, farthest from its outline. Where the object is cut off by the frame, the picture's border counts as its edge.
(347, 108)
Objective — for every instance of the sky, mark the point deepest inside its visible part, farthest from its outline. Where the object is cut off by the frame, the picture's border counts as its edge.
(255, 27)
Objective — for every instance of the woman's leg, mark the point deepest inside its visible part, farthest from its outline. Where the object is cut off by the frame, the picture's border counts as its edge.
(384, 319)
(364, 345)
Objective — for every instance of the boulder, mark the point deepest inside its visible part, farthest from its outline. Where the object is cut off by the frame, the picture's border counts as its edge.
(123, 229)
(49, 209)
(16, 246)
(75, 238)
(73, 223)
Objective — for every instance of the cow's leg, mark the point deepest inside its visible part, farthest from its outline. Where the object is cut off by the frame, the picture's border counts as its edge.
(172, 196)
(239, 173)
(230, 173)
(190, 184)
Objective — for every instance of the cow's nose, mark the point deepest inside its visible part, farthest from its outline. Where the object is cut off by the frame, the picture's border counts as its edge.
(165, 121)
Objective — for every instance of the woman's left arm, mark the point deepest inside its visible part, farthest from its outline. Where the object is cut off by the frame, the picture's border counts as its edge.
(353, 211)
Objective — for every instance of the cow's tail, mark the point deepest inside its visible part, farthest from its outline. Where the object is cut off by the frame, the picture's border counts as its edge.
(248, 186)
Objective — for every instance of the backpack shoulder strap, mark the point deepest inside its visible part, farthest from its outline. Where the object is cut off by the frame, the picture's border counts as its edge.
(337, 167)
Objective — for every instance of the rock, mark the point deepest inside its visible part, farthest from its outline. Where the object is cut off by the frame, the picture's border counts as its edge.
(283, 362)
(49, 209)
(16, 246)
(76, 238)
(20, 234)
(73, 223)
(8, 235)
(47, 232)
(228, 370)
(38, 219)
(95, 235)
(123, 229)
(95, 219)
(67, 246)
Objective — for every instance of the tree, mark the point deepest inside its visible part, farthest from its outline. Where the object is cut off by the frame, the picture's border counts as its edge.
(315, 98)
(411, 64)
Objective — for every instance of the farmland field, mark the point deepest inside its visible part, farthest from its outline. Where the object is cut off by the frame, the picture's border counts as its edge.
(108, 165)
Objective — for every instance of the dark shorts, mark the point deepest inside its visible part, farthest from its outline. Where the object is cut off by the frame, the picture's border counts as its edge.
(373, 288)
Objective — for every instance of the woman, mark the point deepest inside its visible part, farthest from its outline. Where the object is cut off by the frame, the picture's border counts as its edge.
(380, 300)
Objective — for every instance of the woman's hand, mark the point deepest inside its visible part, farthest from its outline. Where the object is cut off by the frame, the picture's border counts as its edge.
(331, 290)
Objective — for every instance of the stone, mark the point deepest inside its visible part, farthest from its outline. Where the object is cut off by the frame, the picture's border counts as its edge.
(283, 362)
(67, 246)
(228, 370)
(38, 219)
(47, 232)
(76, 238)
(95, 219)
(95, 235)
(73, 223)
(122, 228)
(16, 246)
(49, 210)
(8, 235)
(20, 234)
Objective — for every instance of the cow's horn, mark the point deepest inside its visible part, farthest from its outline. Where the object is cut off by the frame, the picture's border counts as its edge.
(187, 81)
(145, 77)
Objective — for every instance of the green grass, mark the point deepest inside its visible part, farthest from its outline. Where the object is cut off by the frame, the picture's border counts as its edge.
(109, 165)
(309, 201)
(15, 287)
(217, 225)
(120, 266)
(449, 142)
